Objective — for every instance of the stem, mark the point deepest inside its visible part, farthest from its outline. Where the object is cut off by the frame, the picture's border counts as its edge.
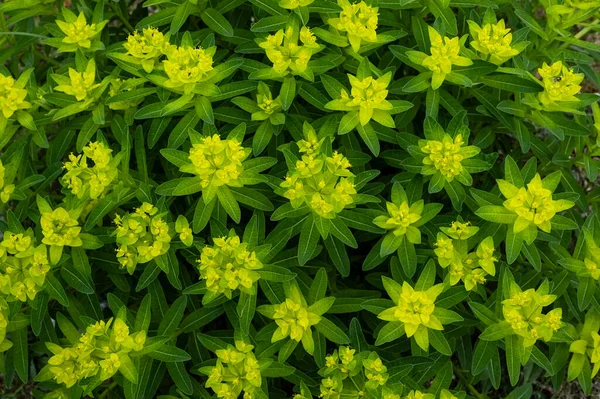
(585, 30)
(107, 390)
(48, 59)
(119, 14)
(22, 34)
(464, 380)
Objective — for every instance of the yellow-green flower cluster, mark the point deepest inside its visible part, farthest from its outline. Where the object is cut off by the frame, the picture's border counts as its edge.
(78, 34)
(119, 86)
(522, 311)
(217, 163)
(452, 253)
(60, 228)
(414, 309)
(12, 95)
(533, 205)
(560, 84)
(324, 183)
(100, 351)
(415, 394)
(141, 236)
(400, 219)
(587, 346)
(293, 4)
(352, 375)
(358, 20)
(186, 66)
(90, 174)
(287, 56)
(78, 84)
(147, 47)
(267, 105)
(368, 98)
(237, 370)
(5, 189)
(446, 157)
(228, 266)
(493, 41)
(23, 266)
(445, 53)
(4, 343)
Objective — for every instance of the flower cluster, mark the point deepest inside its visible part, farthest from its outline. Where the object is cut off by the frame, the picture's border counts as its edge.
(269, 107)
(186, 66)
(522, 311)
(445, 53)
(60, 228)
(5, 189)
(445, 157)
(78, 84)
(141, 236)
(119, 86)
(358, 20)
(589, 267)
(350, 374)
(493, 41)
(414, 309)
(91, 173)
(287, 56)
(533, 205)
(100, 351)
(324, 183)
(400, 220)
(4, 343)
(560, 84)
(12, 95)
(147, 47)
(228, 266)
(237, 370)
(78, 34)
(586, 347)
(23, 266)
(368, 98)
(217, 162)
(453, 253)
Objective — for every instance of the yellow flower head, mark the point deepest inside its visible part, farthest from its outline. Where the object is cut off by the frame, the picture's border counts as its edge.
(560, 84)
(415, 309)
(217, 162)
(185, 66)
(228, 266)
(294, 320)
(60, 229)
(460, 231)
(12, 95)
(522, 310)
(78, 34)
(368, 96)
(289, 57)
(419, 395)
(90, 179)
(147, 47)
(358, 20)
(236, 371)
(446, 156)
(401, 217)
(5, 189)
(445, 52)
(78, 84)
(141, 236)
(494, 41)
(533, 204)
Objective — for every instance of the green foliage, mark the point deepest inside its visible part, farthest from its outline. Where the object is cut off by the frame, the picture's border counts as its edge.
(389, 199)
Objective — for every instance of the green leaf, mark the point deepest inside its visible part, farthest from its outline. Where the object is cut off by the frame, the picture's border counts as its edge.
(309, 238)
(511, 83)
(169, 353)
(332, 332)
(217, 22)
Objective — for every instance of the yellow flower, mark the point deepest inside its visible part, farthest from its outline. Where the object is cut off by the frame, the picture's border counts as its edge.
(228, 266)
(368, 97)
(90, 180)
(182, 227)
(141, 236)
(522, 311)
(4, 343)
(400, 218)
(444, 54)
(78, 34)
(287, 56)
(560, 84)
(494, 41)
(446, 157)
(460, 231)
(60, 229)
(415, 310)
(185, 66)
(78, 84)
(147, 47)
(217, 163)
(12, 95)
(294, 320)
(358, 20)
(533, 205)
(293, 4)
(5, 189)
(419, 395)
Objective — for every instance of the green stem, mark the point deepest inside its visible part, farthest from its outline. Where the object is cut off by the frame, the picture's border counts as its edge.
(23, 34)
(48, 59)
(585, 30)
(470, 387)
(107, 390)
(119, 14)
